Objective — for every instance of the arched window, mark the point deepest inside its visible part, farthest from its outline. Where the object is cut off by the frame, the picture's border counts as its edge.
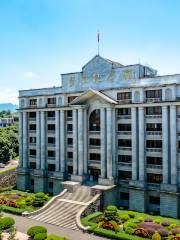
(94, 120)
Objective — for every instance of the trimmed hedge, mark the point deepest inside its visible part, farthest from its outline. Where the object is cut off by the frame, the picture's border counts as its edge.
(35, 230)
(54, 237)
(40, 236)
(6, 223)
(17, 211)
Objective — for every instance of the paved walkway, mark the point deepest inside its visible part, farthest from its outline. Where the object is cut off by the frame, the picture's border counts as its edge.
(23, 224)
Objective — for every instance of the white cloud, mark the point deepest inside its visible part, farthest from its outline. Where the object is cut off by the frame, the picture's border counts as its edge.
(29, 74)
(8, 95)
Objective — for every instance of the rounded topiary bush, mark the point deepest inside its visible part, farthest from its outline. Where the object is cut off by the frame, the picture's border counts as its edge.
(6, 222)
(111, 208)
(35, 230)
(129, 230)
(124, 217)
(163, 232)
(131, 214)
(156, 236)
(54, 237)
(165, 223)
(40, 236)
(148, 220)
(131, 225)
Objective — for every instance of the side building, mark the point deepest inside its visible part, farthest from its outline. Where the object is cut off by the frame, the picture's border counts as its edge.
(111, 124)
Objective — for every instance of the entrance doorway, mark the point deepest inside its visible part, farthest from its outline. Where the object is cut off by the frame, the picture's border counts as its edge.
(94, 173)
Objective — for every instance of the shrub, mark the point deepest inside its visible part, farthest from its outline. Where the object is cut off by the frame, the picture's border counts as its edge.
(158, 221)
(165, 223)
(131, 225)
(124, 217)
(163, 232)
(129, 230)
(150, 230)
(111, 213)
(12, 210)
(121, 208)
(111, 208)
(172, 226)
(6, 222)
(175, 230)
(54, 237)
(40, 236)
(156, 236)
(35, 230)
(131, 214)
(39, 199)
(140, 219)
(148, 220)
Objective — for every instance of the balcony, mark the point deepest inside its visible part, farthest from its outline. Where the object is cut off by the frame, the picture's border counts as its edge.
(51, 118)
(32, 131)
(50, 105)
(94, 146)
(94, 161)
(32, 144)
(51, 158)
(125, 148)
(154, 166)
(125, 164)
(153, 100)
(32, 119)
(153, 185)
(69, 118)
(154, 116)
(124, 132)
(124, 116)
(33, 106)
(154, 149)
(51, 131)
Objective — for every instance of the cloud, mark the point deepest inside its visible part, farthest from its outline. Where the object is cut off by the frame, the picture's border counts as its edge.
(29, 74)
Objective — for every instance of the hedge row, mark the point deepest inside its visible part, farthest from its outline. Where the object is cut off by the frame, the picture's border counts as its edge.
(8, 209)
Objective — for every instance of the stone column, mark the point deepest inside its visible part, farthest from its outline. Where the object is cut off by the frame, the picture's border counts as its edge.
(103, 143)
(109, 142)
(173, 137)
(80, 143)
(57, 140)
(141, 145)
(75, 146)
(38, 140)
(85, 142)
(62, 140)
(25, 140)
(114, 143)
(43, 140)
(20, 139)
(134, 143)
(165, 143)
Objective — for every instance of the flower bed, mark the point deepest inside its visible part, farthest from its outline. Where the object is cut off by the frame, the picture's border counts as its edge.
(17, 202)
(121, 224)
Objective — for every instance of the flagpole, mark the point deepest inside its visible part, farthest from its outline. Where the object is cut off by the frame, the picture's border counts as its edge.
(98, 41)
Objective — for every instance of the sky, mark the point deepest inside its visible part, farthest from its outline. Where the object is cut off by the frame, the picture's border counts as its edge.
(40, 39)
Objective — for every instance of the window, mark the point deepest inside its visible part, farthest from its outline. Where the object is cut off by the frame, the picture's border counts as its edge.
(178, 144)
(124, 175)
(124, 111)
(69, 127)
(33, 102)
(51, 127)
(70, 169)
(154, 160)
(51, 101)
(51, 140)
(32, 152)
(125, 158)
(32, 182)
(70, 155)
(32, 127)
(124, 96)
(70, 141)
(51, 154)
(153, 111)
(51, 167)
(154, 200)
(124, 127)
(94, 141)
(95, 156)
(71, 98)
(153, 127)
(32, 140)
(69, 114)
(154, 144)
(32, 165)
(51, 185)
(154, 178)
(154, 93)
(32, 115)
(124, 142)
(94, 120)
(124, 196)
(51, 114)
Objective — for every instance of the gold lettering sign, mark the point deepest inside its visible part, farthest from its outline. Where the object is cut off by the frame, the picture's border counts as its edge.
(141, 232)
(71, 81)
(127, 74)
(112, 75)
(96, 77)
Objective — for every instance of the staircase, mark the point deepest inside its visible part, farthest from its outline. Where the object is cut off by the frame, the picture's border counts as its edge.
(62, 212)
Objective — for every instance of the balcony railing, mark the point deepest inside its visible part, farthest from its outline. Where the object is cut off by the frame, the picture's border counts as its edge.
(154, 149)
(32, 131)
(33, 106)
(51, 105)
(51, 118)
(152, 100)
(124, 132)
(51, 145)
(124, 116)
(95, 161)
(32, 144)
(159, 133)
(153, 185)
(125, 148)
(125, 164)
(69, 118)
(124, 101)
(32, 118)
(154, 116)
(51, 131)
(51, 158)
(94, 146)
(154, 166)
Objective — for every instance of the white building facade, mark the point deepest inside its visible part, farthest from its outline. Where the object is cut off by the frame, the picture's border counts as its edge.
(109, 124)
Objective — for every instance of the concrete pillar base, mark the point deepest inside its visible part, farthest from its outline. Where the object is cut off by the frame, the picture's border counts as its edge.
(106, 181)
(170, 204)
(57, 186)
(40, 184)
(137, 199)
(23, 179)
(78, 178)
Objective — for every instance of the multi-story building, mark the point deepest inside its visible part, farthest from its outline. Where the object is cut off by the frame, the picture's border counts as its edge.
(111, 124)
(5, 122)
